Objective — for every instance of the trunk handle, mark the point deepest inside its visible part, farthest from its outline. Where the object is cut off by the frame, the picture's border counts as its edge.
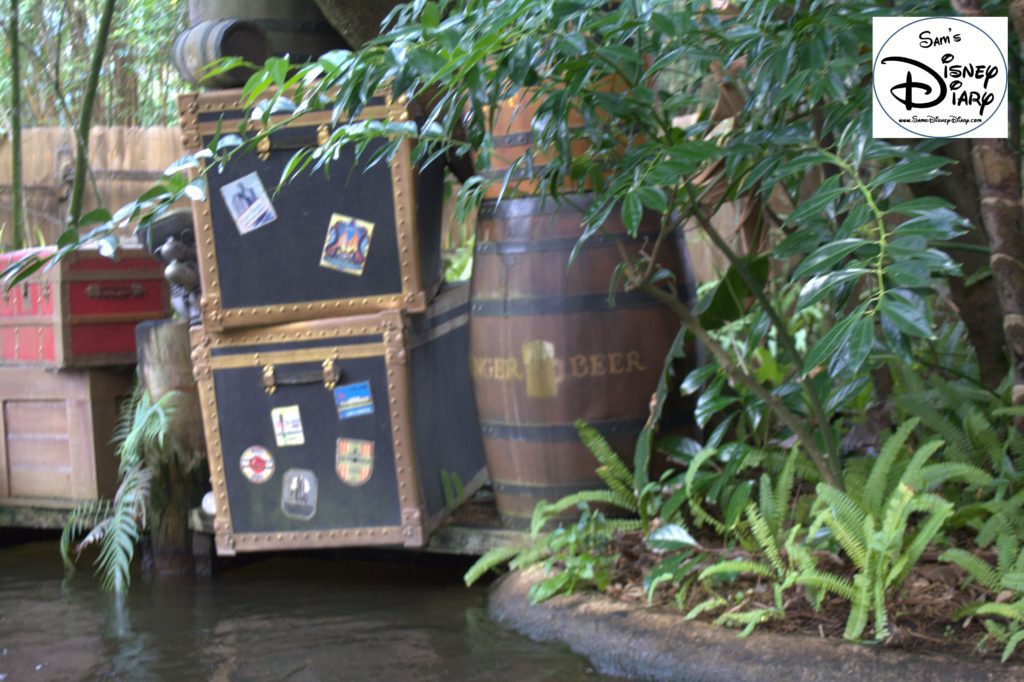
(329, 375)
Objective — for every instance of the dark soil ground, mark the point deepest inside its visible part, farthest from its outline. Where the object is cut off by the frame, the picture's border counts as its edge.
(921, 616)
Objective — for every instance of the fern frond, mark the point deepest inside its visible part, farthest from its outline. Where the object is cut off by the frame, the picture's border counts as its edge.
(976, 567)
(878, 486)
(765, 538)
(531, 555)
(951, 432)
(939, 511)
(859, 609)
(81, 519)
(997, 524)
(737, 566)
(766, 501)
(700, 515)
(934, 475)
(604, 453)
(911, 475)
(543, 512)
(1011, 644)
(1008, 547)
(1011, 612)
(491, 559)
(624, 525)
(749, 619)
(614, 484)
(841, 506)
(784, 489)
(828, 582)
(984, 439)
(714, 602)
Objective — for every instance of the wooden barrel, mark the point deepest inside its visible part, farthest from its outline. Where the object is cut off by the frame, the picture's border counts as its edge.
(546, 349)
(209, 41)
(293, 27)
(513, 138)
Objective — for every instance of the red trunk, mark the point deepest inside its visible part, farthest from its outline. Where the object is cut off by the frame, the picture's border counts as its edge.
(83, 312)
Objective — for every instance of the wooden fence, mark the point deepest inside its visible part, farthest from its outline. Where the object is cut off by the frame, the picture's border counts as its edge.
(124, 162)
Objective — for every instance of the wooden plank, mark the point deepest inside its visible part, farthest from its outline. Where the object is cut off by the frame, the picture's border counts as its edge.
(473, 540)
(24, 516)
(5, 487)
(35, 418)
(29, 480)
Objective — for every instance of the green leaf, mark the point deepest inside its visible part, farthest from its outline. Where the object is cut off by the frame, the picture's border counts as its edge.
(709, 404)
(818, 287)
(832, 341)
(97, 216)
(632, 210)
(858, 347)
(670, 537)
(696, 378)
(801, 241)
(908, 312)
(827, 256)
(828, 192)
(934, 224)
(652, 197)
(431, 15)
(738, 500)
(914, 170)
(731, 297)
(914, 206)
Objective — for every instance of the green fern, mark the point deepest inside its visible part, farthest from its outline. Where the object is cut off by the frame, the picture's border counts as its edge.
(828, 582)
(878, 487)
(983, 572)
(604, 453)
(141, 442)
(735, 566)
(1003, 620)
(874, 536)
(491, 559)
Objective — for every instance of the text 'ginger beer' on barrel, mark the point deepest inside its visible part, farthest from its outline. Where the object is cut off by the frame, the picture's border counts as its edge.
(546, 348)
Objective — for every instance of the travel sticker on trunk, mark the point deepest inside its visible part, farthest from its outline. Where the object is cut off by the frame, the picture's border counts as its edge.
(353, 400)
(354, 461)
(347, 245)
(248, 203)
(287, 426)
(257, 464)
(298, 494)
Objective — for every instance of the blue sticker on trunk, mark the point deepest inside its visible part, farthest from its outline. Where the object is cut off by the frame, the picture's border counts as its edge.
(353, 400)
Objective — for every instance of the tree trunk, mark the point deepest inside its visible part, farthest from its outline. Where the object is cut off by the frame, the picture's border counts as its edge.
(978, 304)
(17, 195)
(356, 20)
(85, 116)
(996, 170)
(165, 365)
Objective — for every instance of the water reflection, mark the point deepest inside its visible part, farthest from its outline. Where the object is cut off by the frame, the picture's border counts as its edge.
(291, 618)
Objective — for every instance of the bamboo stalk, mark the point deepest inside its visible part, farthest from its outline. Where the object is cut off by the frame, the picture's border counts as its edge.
(85, 116)
(17, 198)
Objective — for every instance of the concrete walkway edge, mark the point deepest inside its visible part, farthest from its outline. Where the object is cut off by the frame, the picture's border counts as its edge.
(653, 644)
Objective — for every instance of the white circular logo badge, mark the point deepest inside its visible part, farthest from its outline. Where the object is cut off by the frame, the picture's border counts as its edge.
(257, 464)
(940, 77)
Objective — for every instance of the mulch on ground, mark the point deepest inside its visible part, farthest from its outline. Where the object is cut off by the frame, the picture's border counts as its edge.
(921, 615)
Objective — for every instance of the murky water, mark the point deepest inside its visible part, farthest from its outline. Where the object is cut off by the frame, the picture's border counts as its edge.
(295, 617)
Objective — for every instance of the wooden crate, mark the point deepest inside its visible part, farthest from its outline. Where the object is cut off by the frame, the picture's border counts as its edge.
(55, 433)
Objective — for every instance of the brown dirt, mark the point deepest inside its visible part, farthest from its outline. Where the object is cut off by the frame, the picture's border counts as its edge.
(921, 615)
